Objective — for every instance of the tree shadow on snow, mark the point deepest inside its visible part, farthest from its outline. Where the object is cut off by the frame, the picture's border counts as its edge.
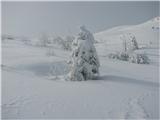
(121, 79)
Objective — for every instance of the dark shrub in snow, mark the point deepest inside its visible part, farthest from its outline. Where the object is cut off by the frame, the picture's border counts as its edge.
(134, 57)
(139, 58)
(119, 55)
(113, 56)
(123, 56)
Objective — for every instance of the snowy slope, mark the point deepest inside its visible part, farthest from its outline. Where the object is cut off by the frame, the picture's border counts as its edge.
(123, 90)
(147, 34)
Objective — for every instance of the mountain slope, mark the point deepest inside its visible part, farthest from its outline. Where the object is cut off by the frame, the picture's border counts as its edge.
(146, 33)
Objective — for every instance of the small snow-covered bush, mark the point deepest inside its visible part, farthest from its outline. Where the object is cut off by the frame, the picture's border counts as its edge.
(57, 40)
(7, 37)
(113, 56)
(119, 55)
(123, 56)
(64, 43)
(139, 58)
(68, 42)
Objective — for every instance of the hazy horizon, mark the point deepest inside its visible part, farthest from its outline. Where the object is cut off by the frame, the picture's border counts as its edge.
(63, 18)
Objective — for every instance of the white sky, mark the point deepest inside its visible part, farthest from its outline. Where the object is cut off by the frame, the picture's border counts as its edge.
(62, 18)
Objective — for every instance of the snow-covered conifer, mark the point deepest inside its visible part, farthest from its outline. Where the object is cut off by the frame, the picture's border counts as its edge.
(84, 60)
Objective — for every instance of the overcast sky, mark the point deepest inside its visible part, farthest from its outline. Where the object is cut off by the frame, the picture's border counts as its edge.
(62, 18)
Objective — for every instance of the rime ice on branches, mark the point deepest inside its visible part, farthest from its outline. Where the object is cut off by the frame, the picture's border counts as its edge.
(84, 60)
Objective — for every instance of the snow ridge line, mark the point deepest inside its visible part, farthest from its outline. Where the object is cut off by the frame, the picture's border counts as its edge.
(12, 69)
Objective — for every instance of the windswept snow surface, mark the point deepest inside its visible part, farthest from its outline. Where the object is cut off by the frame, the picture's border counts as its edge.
(123, 90)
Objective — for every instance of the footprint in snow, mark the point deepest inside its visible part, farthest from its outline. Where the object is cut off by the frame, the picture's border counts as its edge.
(135, 110)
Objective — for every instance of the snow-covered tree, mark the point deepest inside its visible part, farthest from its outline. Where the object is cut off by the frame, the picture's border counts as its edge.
(84, 60)
(129, 42)
(134, 44)
(124, 42)
(68, 42)
(64, 42)
(58, 40)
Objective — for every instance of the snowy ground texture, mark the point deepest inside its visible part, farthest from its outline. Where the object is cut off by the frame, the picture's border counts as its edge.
(123, 90)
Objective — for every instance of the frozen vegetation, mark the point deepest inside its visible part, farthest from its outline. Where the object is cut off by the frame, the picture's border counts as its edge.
(84, 59)
(34, 72)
